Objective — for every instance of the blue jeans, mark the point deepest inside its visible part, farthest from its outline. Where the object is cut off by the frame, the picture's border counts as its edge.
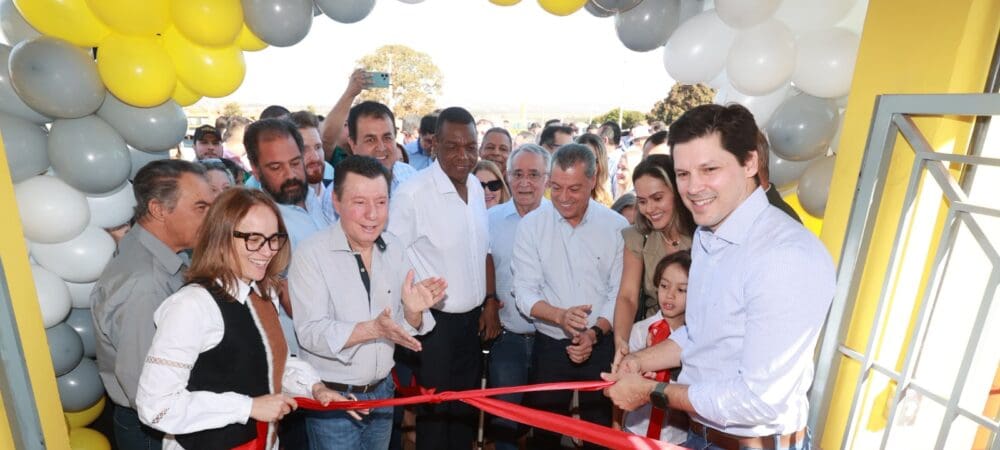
(510, 364)
(131, 434)
(698, 442)
(338, 430)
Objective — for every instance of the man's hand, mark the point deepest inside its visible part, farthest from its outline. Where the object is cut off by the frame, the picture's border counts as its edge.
(621, 351)
(489, 319)
(583, 346)
(272, 407)
(629, 364)
(325, 395)
(574, 320)
(358, 82)
(419, 297)
(385, 327)
(630, 391)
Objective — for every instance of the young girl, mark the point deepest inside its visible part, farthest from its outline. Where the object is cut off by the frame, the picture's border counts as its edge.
(671, 277)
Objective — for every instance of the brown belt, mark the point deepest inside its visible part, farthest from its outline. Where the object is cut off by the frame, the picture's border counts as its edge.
(353, 388)
(733, 442)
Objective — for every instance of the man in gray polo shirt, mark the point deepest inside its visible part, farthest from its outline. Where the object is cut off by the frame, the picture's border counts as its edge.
(172, 197)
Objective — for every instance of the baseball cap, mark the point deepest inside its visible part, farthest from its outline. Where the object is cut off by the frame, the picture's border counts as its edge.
(201, 131)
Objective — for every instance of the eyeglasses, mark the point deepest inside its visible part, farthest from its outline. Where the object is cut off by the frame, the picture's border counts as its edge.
(533, 175)
(494, 185)
(256, 241)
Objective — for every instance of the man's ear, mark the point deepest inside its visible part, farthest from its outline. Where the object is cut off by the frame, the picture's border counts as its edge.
(157, 210)
(752, 163)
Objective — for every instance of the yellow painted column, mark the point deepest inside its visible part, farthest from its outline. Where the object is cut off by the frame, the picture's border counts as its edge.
(29, 321)
(907, 47)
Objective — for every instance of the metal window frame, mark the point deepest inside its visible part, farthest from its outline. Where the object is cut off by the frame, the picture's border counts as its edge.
(893, 117)
(15, 384)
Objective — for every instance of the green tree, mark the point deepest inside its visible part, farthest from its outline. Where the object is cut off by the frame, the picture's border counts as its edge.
(681, 98)
(415, 81)
(628, 118)
(231, 109)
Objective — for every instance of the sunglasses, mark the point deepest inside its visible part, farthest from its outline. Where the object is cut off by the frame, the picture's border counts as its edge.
(494, 185)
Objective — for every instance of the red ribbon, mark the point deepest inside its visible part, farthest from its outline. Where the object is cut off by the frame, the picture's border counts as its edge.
(597, 434)
(659, 331)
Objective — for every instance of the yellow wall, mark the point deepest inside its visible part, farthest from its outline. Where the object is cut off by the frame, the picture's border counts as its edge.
(29, 321)
(907, 46)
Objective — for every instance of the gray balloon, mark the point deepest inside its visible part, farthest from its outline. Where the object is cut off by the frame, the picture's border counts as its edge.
(814, 186)
(25, 144)
(81, 387)
(784, 173)
(281, 23)
(141, 158)
(9, 101)
(148, 129)
(316, 10)
(88, 154)
(79, 294)
(15, 28)
(82, 322)
(56, 78)
(346, 11)
(615, 6)
(648, 25)
(802, 127)
(597, 10)
(65, 348)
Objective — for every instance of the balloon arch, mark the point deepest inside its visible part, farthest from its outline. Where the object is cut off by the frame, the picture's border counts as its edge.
(94, 89)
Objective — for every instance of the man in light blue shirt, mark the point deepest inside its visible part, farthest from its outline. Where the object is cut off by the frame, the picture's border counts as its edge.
(567, 267)
(421, 151)
(759, 290)
(371, 129)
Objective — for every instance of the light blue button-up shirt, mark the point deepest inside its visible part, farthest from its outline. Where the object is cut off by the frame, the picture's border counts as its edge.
(300, 223)
(568, 266)
(420, 158)
(759, 290)
(503, 224)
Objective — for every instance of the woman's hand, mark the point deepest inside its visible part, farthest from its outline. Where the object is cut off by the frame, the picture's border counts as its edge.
(272, 407)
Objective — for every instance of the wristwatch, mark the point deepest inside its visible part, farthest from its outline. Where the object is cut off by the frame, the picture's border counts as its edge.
(658, 397)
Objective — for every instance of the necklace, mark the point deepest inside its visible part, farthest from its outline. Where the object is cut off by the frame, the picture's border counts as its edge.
(670, 242)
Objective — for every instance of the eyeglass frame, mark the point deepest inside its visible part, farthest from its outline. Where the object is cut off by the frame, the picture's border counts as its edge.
(497, 183)
(529, 175)
(282, 238)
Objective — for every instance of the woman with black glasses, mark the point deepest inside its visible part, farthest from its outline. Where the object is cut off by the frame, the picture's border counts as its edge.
(215, 374)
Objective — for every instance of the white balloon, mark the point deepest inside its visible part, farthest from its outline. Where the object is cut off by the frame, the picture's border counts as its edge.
(79, 293)
(746, 13)
(411, 2)
(720, 81)
(824, 62)
(113, 209)
(141, 158)
(51, 211)
(762, 58)
(53, 297)
(81, 259)
(697, 50)
(762, 106)
(807, 15)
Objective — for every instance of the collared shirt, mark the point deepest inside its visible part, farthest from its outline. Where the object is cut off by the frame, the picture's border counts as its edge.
(420, 158)
(187, 324)
(568, 266)
(503, 224)
(142, 274)
(401, 172)
(329, 299)
(758, 292)
(303, 222)
(443, 235)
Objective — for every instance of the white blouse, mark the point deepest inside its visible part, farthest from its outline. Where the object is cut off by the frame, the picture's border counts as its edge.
(189, 323)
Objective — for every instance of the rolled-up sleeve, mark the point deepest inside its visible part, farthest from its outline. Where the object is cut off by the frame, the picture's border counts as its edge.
(317, 330)
(527, 267)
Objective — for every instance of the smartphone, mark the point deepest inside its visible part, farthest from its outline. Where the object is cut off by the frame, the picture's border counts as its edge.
(378, 79)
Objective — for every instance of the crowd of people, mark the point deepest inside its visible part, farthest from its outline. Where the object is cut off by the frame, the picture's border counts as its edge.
(328, 258)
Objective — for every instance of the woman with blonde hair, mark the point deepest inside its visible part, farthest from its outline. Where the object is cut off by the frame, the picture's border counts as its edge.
(494, 186)
(218, 369)
(602, 190)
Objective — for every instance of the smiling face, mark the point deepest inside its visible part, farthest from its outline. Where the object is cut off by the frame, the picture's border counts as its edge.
(496, 148)
(253, 264)
(711, 181)
(457, 151)
(376, 137)
(655, 201)
(492, 197)
(571, 191)
(363, 206)
(672, 291)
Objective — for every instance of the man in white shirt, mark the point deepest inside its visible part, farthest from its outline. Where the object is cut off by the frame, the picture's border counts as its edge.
(567, 268)
(354, 296)
(758, 292)
(371, 128)
(439, 216)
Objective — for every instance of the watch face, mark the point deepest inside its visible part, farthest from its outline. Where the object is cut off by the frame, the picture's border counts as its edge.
(658, 397)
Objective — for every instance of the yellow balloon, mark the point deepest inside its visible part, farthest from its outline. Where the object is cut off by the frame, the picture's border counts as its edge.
(562, 7)
(250, 42)
(184, 96)
(505, 2)
(69, 20)
(212, 23)
(135, 18)
(87, 439)
(208, 71)
(87, 416)
(135, 69)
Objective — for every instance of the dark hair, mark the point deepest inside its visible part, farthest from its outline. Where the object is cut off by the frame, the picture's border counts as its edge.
(454, 114)
(500, 130)
(237, 171)
(553, 123)
(570, 154)
(428, 124)
(274, 112)
(304, 119)
(682, 257)
(403, 154)
(160, 180)
(365, 166)
(217, 164)
(601, 153)
(233, 124)
(734, 123)
(611, 131)
(661, 167)
(267, 129)
(368, 109)
(657, 138)
(657, 127)
(548, 136)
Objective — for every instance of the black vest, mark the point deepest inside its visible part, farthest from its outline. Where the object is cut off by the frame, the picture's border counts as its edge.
(238, 364)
